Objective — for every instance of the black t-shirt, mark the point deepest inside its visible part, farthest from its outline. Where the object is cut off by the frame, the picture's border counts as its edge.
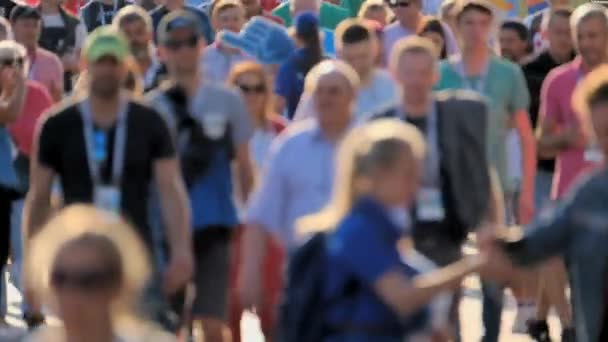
(535, 72)
(62, 148)
(6, 6)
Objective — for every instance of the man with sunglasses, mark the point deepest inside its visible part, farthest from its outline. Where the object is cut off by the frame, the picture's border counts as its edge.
(212, 129)
(107, 150)
(409, 18)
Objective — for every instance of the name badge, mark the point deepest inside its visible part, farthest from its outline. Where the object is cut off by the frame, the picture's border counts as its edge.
(107, 198)
(429, 205)
(594, 155)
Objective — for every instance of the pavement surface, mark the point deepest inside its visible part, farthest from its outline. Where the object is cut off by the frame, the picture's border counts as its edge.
(470, 313)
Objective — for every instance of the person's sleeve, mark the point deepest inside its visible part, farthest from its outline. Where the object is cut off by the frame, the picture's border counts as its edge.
(520, 99)
(49, 150)
(552, 232)
(162, 144)
(81, 35)
(241, 124)
(284, 80)
(354, 248)
(549, 101)
(266, 207)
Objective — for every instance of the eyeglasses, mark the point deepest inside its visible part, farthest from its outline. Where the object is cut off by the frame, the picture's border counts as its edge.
(178, 44)
(12, 62)
(258, 88)
(86, 280)
(396, 3)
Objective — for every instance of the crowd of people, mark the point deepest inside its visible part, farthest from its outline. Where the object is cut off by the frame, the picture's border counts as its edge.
(166, 166)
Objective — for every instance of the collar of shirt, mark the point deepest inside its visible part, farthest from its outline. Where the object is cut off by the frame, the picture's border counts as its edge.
(377, 212)
(318, 135)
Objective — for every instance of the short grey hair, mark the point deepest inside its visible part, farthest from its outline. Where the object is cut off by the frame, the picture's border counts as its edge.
(330, 67)
(5, 28)
(585, 12)
(12, 49)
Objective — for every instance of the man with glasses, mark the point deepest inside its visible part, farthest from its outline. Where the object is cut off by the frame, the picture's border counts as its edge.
(212, 129)
(107, 150)
(409, 18)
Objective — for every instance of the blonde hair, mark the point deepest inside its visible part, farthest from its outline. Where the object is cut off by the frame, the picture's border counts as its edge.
(591, 90)
(132, 13)
(412, 44)
(222, 5)
(328, 67)
(366, 148)
(80, 223)
(368, 4)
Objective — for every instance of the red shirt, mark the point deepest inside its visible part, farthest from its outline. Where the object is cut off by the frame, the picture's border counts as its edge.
(37, 101)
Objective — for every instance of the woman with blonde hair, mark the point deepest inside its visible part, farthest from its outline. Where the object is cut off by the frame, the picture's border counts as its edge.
(378, 168)
(89, 267)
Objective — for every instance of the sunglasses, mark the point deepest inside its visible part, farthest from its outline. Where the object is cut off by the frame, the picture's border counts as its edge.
(178, 44)
(259, 88)
(85, 280)
(395, 4)
(12, 62)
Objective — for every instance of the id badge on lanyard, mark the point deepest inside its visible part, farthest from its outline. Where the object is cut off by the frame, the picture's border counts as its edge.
(429, 204)
(105, 196)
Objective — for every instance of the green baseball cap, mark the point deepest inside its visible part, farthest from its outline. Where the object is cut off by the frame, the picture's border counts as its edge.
(105, 41)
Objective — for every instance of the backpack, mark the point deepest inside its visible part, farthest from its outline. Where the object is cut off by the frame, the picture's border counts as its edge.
(301, 314)
(199, 150)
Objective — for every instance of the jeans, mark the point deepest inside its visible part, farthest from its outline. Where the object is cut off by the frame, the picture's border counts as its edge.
(542, 191)
(493, 294)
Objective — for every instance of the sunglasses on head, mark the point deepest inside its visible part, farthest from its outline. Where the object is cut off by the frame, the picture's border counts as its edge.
(85, 280)
(12, 62)
(178, 44)
(258, 88)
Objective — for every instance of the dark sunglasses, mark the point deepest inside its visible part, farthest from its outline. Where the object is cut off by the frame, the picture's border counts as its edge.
(85, 280)
(259, 88)
(178, 44)
(12, 62)
(396, 3)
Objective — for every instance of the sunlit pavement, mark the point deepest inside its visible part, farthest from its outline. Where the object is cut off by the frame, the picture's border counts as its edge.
(470, 311)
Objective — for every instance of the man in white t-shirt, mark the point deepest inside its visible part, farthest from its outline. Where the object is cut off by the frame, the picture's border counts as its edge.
(357, 45)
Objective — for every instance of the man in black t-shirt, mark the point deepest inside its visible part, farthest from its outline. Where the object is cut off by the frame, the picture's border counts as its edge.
(106, 150)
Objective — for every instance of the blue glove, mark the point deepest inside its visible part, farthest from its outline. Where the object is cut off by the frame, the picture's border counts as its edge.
(266, 41)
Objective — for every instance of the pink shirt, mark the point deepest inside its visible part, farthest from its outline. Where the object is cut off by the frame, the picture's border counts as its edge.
(37, 101)
(46, 68)
(556, 105)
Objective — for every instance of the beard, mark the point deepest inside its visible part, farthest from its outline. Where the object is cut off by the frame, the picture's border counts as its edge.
(106, 87)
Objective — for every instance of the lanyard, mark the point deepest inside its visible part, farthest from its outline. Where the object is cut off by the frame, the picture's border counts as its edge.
(431, 162)
(30, 73)
(102, 11)
(120, 139)
(481, 84)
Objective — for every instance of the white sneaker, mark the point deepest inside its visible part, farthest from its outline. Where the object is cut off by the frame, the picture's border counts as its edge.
(525, 313)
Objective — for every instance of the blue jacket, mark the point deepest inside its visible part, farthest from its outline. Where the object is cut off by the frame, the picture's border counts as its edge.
(576, 229)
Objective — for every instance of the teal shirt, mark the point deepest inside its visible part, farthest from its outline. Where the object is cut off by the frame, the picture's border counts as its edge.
(506, 91)
(330, 15)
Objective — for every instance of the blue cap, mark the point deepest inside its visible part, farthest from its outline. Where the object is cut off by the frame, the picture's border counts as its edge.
(306, 23)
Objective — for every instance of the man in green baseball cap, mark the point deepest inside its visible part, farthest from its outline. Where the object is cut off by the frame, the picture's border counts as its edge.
(105, 53)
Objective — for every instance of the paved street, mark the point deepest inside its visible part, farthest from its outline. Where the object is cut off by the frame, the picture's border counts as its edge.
(470, 315)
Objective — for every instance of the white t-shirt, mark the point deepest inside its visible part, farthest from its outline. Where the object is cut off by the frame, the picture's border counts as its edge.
(55, 20)
(379, 95)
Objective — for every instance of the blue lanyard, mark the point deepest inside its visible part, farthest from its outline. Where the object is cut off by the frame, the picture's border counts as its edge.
(480, 85)
(96, 143)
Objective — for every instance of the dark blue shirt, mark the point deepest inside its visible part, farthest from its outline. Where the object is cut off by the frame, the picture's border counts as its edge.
(363, 249)
(289, 82)
(159, 12)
